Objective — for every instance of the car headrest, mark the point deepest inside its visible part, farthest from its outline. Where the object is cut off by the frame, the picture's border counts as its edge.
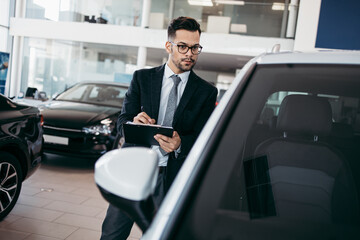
(305, 114)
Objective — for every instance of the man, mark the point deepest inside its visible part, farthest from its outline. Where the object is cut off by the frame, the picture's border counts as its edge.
(171, 95)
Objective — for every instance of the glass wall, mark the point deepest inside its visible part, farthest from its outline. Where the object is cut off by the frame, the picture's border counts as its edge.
(52, 66)
(125, 12)
(271, 18)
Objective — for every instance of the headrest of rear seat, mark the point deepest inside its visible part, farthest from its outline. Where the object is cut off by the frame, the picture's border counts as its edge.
(305, 114)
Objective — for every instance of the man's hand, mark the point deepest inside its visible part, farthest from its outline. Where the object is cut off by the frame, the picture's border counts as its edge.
(143, 118)
(169, 144)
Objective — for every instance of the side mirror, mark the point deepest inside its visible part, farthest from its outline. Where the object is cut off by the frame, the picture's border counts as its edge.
(21, 95)
(42, 96)
(127, 178)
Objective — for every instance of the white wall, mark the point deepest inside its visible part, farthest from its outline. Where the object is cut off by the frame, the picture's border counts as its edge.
(307, 25)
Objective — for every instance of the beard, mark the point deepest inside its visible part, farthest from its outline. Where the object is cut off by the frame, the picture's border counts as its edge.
(184, 64)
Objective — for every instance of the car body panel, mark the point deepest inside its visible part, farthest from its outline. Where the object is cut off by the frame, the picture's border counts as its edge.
(74, 115)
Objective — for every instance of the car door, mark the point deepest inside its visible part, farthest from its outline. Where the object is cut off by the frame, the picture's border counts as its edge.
(284, 160)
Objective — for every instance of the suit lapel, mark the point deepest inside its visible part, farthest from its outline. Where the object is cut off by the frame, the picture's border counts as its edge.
(190, 89)
(156, 84)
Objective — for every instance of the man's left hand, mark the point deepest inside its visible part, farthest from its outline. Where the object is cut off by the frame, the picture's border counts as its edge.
(169, 144)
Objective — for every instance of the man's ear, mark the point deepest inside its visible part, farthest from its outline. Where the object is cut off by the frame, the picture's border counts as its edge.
(168, 46)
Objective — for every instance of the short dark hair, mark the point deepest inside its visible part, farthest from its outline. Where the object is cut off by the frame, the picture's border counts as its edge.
(186, 23)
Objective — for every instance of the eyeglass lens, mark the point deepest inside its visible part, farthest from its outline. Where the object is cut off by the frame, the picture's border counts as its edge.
(196, 49)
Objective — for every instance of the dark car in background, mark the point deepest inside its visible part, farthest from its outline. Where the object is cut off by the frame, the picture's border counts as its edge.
(81, 120)
(20, 149)
(279, 158)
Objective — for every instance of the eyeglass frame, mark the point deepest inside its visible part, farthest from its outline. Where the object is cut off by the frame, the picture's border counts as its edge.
(196, 45)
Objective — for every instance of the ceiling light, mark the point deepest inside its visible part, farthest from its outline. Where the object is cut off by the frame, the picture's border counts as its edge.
(278, 6)
(207, 3)
(229, 2)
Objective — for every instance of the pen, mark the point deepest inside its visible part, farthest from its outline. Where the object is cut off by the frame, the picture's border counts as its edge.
(142, 110)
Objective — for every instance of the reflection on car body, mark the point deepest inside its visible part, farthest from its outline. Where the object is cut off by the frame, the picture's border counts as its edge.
(279, 157)
(81, 120)
(20, 149)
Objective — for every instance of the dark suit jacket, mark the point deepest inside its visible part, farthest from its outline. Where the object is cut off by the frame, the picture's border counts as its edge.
(194, 109)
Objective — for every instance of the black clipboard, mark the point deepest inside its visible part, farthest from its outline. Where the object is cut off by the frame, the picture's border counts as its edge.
(143, 134)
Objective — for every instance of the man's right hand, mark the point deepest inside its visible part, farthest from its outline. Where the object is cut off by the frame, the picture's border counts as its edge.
(143, 118)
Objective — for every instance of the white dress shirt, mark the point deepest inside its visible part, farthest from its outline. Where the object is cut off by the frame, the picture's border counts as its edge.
(167, 84)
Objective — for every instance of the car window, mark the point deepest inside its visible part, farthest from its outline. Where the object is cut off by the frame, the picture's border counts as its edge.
(102, 94)
(287, 163)
(107, 95)
(73, 94)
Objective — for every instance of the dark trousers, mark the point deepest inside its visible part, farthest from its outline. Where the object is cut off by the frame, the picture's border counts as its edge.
(117, 225)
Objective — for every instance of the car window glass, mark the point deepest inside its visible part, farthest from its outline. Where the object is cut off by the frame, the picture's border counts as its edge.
(73, 94)
(107, 95)
(287, 165)
(102, 94)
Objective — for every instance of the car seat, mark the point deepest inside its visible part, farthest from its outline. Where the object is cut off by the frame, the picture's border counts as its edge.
(309, 179)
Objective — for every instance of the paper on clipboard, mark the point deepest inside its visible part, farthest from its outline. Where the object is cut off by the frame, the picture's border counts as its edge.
(143, 134)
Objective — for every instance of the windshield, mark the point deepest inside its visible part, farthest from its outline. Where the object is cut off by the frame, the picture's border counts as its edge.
(101, 94)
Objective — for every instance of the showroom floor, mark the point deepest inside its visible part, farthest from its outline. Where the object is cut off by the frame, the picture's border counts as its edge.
(59, 201)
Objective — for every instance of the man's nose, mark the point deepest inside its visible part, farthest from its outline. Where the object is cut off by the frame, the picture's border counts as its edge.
(189, 53)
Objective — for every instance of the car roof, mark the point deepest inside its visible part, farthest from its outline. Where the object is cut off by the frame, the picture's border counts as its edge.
(319, 57)
(104, 82)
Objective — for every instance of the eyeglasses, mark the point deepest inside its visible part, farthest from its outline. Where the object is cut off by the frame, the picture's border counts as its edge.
(182, 48)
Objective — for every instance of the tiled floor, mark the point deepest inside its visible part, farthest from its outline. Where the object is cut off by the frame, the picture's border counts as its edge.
(59, 201)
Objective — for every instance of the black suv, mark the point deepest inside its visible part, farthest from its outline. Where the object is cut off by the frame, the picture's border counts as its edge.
(20, 149)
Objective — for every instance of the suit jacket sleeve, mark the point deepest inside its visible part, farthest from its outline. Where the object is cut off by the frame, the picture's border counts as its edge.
(131, 105)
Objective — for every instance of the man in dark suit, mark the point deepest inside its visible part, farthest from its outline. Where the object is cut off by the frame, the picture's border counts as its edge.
(172, 95)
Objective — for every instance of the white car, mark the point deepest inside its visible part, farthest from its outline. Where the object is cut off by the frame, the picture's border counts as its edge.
(279, 158)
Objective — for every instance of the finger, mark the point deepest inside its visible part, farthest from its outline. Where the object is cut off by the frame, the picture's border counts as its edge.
(148, 118)
(163, 137)
(161, 143)
(143, 118)
(140, 119)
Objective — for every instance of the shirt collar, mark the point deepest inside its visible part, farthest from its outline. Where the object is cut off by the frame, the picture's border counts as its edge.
(183, 76)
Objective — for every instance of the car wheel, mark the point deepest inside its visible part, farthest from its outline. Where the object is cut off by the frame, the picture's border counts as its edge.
(10, 182)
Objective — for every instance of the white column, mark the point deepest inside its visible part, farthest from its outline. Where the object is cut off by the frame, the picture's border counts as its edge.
(145, 17)
(17, 53)
(171, 10)
(290, 31)
(284, 19)
(141, 58)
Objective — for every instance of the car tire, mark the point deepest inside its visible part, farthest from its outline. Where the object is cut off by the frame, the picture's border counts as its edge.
(10, 182)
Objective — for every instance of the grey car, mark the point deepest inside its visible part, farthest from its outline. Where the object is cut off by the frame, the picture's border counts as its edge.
(279, 158)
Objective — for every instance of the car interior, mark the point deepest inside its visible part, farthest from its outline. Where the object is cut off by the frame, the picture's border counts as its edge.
(317, 184)
(301, 163)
